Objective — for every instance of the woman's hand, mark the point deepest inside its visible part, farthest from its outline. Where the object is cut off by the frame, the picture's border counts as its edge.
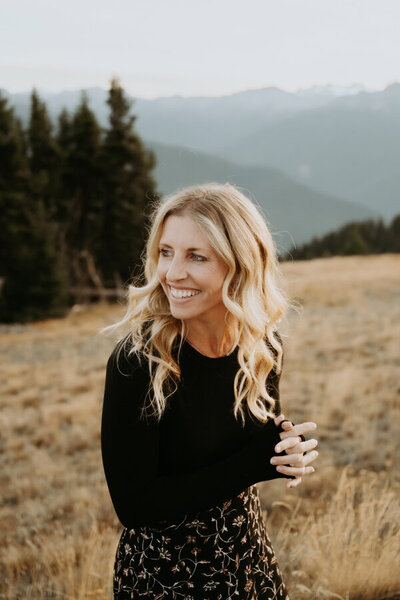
(294, 447)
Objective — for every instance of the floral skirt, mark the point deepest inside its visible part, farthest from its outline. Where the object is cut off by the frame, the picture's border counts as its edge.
(221, 553)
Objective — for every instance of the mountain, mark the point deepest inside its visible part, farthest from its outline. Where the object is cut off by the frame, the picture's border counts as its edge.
(204, 123)
(332, 90)
(349, 149)
(328, 141)
(295, 212)
(57, 101)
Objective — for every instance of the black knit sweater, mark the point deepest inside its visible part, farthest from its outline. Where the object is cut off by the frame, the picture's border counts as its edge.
(197, 456)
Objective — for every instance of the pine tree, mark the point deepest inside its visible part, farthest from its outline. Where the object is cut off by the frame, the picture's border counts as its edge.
(13, 167)
(44, 158)
(63, 136)
(63, 140)
(32, 283)
(355, 243)
(394, 235)
(128, 189)
(363, 237)
(82, 181)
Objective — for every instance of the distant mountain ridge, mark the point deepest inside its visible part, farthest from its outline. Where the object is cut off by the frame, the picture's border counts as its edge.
(295, 212)
(315, 158)
(199, 122)
(346, 150)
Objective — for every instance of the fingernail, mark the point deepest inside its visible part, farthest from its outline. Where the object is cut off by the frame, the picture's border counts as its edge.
(273, 461)
(278, 448)
(279, 468)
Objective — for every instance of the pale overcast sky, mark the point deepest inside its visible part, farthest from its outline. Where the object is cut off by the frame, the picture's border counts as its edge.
(198, 47)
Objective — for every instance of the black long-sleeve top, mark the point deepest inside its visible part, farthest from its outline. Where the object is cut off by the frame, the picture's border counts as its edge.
(197, 456)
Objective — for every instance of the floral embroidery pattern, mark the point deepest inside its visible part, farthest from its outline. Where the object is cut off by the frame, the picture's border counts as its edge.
(223, 553)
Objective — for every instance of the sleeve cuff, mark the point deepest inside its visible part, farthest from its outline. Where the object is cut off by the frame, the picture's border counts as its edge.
(265, 442)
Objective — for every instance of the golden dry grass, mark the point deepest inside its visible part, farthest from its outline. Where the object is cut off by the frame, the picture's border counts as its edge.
(336, 535)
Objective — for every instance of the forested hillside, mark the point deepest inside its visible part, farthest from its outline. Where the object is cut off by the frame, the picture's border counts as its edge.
(73, 204)
(364, 237)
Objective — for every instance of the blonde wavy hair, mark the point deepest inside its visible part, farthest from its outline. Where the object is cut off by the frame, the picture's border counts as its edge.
(251, 293)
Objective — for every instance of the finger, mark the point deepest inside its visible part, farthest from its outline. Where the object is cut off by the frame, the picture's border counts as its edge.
(279, 419)
(296, 449)
(307, 445)
(302, 447)
(309, 457)
(295, 470)
(295, 460)
(286, 426)
(286, 459)
(289, 442)
(299, 429)
(293, 482)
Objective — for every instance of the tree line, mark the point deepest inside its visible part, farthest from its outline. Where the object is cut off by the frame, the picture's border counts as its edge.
(74, 200)
(358, 237)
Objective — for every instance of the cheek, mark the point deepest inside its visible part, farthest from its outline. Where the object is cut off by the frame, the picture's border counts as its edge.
(213, 285)
(218, 277)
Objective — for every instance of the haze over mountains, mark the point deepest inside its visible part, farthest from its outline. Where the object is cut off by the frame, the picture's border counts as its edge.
(313, 159)
(295, 212)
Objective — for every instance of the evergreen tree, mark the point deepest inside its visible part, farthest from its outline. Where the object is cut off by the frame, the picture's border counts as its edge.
(128, 189)
(394, 234)
(63, 140)
(63, 136)
(365, 237)
(82, 179)
(32, 283)
(44, 158)
(13, 167)
(355, 243)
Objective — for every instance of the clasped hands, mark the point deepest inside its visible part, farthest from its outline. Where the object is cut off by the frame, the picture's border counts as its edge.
(294, 462)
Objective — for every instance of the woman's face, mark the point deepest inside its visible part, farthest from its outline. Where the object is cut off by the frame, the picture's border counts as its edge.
(187, 263)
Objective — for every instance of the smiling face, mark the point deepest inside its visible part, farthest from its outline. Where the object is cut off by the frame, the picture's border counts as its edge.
(187, 265)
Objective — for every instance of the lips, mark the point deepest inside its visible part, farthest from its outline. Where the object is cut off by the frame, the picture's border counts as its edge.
(192, 295)
(181, 289)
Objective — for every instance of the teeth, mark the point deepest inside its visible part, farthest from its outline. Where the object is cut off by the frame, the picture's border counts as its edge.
(183, 293)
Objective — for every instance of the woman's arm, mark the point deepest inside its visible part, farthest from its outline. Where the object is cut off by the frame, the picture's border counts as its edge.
(130, 452)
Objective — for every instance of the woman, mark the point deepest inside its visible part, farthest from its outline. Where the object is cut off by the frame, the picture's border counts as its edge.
(191, 418)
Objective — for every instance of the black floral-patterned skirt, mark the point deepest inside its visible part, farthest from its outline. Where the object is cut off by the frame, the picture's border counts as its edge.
(222, 553)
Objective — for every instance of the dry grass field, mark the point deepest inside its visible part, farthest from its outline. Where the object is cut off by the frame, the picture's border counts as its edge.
(336, 535)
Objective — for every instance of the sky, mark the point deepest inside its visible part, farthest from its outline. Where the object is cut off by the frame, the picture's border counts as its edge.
(198, 47)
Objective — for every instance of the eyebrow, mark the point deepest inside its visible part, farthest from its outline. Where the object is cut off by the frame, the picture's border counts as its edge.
(188, 249)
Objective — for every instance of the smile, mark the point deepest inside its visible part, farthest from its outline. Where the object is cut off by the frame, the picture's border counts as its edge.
(183, 293)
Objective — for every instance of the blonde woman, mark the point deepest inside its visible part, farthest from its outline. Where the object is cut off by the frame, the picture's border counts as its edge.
(191, 417)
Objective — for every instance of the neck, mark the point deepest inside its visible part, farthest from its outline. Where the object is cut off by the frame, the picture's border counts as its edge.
(212, 346)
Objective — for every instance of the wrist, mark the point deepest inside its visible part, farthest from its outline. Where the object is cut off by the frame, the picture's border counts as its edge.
(265, 441)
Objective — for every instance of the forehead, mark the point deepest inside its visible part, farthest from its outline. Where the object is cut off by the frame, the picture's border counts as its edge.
(182, 231)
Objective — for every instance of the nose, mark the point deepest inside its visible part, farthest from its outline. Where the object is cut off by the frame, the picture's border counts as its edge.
(176, 270)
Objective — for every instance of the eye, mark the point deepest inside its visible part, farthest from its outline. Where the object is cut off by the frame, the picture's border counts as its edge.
(196, 257)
